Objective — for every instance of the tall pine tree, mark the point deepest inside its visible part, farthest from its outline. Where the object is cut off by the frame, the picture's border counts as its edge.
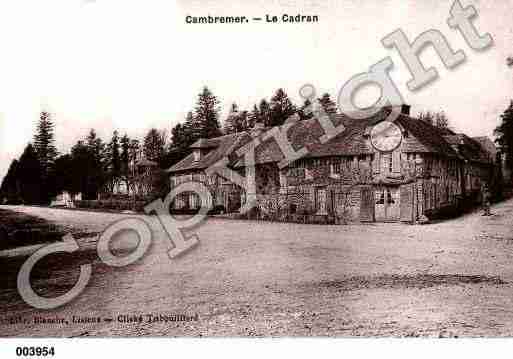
(44, 143)
(114, 155)
(206, 116)
(281, 108)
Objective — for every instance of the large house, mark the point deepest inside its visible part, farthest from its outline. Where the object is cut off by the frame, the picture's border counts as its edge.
(371, 171)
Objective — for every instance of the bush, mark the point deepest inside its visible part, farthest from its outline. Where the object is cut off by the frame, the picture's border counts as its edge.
(111, 204)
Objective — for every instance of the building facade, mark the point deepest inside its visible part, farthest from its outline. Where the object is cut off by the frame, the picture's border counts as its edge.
(368, 172)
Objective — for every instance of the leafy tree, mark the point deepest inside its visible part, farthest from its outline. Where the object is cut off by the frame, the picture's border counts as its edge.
(244, 121)
(10, 189)
(134, 151)
(237, 121)
(303, 113)
(231, 122)
(112, 162)
(281, 108)
(504, 134)
(253, 117)
(124, 157)
(114, 155)
(265, 112)
(188, 129)
(178, 137)
(63, 170)
(80, 170)
(29, 175)
(206, 116)
(154, 145)
(96, 164)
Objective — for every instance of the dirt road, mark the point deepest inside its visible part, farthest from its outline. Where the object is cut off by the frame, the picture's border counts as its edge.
(278, 279)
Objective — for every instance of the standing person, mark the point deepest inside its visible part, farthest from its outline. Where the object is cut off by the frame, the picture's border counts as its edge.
(486, 196)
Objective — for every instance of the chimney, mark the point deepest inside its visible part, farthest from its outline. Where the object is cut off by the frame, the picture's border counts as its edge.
(405, 109)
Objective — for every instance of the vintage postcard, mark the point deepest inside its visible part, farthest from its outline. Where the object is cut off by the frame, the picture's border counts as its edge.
(266, 168)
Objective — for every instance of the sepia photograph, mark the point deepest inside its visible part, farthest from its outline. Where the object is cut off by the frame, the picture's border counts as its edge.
(256, 169)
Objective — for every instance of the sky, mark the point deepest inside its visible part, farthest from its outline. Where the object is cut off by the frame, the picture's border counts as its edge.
(132, 65)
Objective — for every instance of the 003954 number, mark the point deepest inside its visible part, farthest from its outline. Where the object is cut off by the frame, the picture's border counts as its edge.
(35, 351)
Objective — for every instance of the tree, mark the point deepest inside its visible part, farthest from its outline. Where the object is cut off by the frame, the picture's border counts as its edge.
(10, 188)
(44, 142)
(29, 175)
(44, 147)
(80, 169)
(179, 138)
(265, 112)
(253, 117)
(303, 113)
(231, 122)
(281, 108)
(96, 165)
(112, 162)
(244, 122)
(63, 170)
(237, 121)
(206, 116)
(114, 155)
(124, 157)
(504, 134)
(154, 145)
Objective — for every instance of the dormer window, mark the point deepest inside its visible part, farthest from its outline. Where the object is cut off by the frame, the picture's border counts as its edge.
(197, 155)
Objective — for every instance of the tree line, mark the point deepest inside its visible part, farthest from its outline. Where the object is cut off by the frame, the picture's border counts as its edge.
(93, 165)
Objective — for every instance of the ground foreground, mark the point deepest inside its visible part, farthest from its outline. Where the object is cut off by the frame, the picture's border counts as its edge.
(277, 279)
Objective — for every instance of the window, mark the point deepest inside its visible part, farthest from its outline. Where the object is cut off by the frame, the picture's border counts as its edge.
(336, 166)
(297, 172)
(387, 162)
(380, 197)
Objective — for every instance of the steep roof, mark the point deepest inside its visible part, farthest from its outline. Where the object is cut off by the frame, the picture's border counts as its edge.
(205, 143)
(421, 138)
(220, 147)
(471, 149)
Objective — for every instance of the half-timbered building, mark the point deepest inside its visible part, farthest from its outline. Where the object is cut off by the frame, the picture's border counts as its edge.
(348, 177)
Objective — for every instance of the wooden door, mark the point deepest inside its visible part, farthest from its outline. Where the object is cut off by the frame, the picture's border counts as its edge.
(387, 203)
(367, 205)
(321, 198)
(379, 200)
(407, 203)
(393, 204)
